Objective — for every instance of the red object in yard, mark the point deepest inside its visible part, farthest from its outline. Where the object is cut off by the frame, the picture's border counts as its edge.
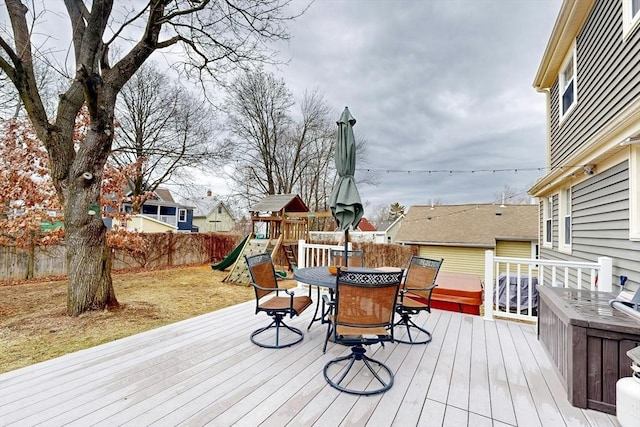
(457, 292)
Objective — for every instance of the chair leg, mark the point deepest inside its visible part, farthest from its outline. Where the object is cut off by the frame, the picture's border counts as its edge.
(315, 313)
(326, 338)
(381, 372)
(405, 320)
(277, 324)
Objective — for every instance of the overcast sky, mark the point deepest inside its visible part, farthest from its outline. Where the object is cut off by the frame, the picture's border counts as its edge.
(441, 91)
(435, 85)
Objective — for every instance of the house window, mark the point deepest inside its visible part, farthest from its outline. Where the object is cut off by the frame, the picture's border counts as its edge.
(548, 216)
(219, 209)
(565, 222)
(630, 16)
(568, 83)
(182, 215)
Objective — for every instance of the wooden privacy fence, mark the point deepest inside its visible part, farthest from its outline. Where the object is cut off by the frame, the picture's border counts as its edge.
(161, 250)
(375, 255)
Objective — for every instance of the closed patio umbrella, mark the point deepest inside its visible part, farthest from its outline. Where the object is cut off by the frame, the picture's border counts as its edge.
(344, 201)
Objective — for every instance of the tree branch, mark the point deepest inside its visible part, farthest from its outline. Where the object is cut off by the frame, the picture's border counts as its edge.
(78, 24)
(24, 76)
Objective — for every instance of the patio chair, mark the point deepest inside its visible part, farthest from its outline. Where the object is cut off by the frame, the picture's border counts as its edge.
(355, 258)
(415, 296)
(364, 307)
(264, 281)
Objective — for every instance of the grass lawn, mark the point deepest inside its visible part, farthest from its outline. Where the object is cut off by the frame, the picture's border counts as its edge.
(34, 326)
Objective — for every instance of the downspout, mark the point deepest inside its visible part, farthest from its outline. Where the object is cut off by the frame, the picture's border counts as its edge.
(547, 93)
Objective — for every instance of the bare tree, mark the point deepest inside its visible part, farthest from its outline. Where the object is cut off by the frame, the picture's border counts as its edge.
(48, 85)
(513, 196)
(210, 38)
(274, 153)
(165, 125)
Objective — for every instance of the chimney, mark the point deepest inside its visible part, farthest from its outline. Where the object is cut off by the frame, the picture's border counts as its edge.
(208, 193)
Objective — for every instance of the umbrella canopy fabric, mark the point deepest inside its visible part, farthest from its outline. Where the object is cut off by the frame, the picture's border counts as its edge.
(344, 201)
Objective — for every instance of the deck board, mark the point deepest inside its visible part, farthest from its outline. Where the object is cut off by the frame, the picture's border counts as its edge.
(441, 377)
(205, 370)
(415, 398)
(501, 401)
(461, 373)
(479, 377)
(523, 405)
(547, 411)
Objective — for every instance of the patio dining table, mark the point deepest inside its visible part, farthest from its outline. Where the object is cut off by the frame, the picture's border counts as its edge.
(321, 278)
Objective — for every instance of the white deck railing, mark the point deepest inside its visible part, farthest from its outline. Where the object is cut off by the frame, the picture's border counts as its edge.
(520, 302)
(314, 254)
(523, 299)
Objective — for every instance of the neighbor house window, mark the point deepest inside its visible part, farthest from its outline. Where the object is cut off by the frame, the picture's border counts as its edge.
(548, 216)
(182, 215)
(568, 84)
(630, 16)
(565, 220)
(219, 209)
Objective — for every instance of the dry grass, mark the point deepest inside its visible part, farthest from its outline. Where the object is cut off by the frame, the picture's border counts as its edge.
(34, 326)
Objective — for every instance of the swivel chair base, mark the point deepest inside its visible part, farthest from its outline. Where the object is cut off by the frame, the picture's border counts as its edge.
(382, 375)
(295, 335)
(409, 324)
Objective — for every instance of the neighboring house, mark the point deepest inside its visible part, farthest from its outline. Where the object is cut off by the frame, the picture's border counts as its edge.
(391, 228)
(462, 233)
(212, 215)
(590, 197)
(163, 208)
(365, 232)
(145, 224)
(365, 225)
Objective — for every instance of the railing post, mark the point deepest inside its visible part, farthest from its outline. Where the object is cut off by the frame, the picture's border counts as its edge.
(606, 274)
(488, 285)
(302, 251)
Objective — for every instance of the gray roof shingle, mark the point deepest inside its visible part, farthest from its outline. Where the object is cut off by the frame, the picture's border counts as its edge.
(469, 225)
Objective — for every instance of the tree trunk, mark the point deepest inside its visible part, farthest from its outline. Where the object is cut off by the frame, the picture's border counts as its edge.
(88, 256)
(88, 260)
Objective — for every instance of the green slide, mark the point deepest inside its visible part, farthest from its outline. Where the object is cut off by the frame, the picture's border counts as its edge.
(231, 258)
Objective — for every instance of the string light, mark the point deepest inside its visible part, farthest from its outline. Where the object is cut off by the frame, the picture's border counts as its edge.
(463, 171)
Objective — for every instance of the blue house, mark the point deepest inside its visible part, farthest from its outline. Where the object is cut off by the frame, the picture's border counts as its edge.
(163, 208)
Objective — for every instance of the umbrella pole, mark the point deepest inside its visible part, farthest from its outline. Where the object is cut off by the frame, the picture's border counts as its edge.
(346, 247)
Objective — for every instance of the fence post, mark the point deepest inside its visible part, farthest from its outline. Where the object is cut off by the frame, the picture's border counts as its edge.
(606, 274)
(31, 255)
(488, 285)
(169, 249)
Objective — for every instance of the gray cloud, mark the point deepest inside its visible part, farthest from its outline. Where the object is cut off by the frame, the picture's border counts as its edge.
(434, 84)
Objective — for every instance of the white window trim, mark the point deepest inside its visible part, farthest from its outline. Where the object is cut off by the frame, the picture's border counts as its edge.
(182, 215)
(564, 211)
(634, 192)
(571, 56)
(548, 222)
(629, 23)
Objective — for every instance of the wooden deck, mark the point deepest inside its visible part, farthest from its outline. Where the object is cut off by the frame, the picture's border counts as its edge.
(206, 371)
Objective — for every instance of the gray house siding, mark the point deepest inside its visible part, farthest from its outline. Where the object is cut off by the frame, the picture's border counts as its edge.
(608, 79)
(600, 224)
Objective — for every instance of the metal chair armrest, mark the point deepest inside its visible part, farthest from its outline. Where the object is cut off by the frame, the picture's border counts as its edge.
(276, 290)
(265, 289)
(327, 300)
